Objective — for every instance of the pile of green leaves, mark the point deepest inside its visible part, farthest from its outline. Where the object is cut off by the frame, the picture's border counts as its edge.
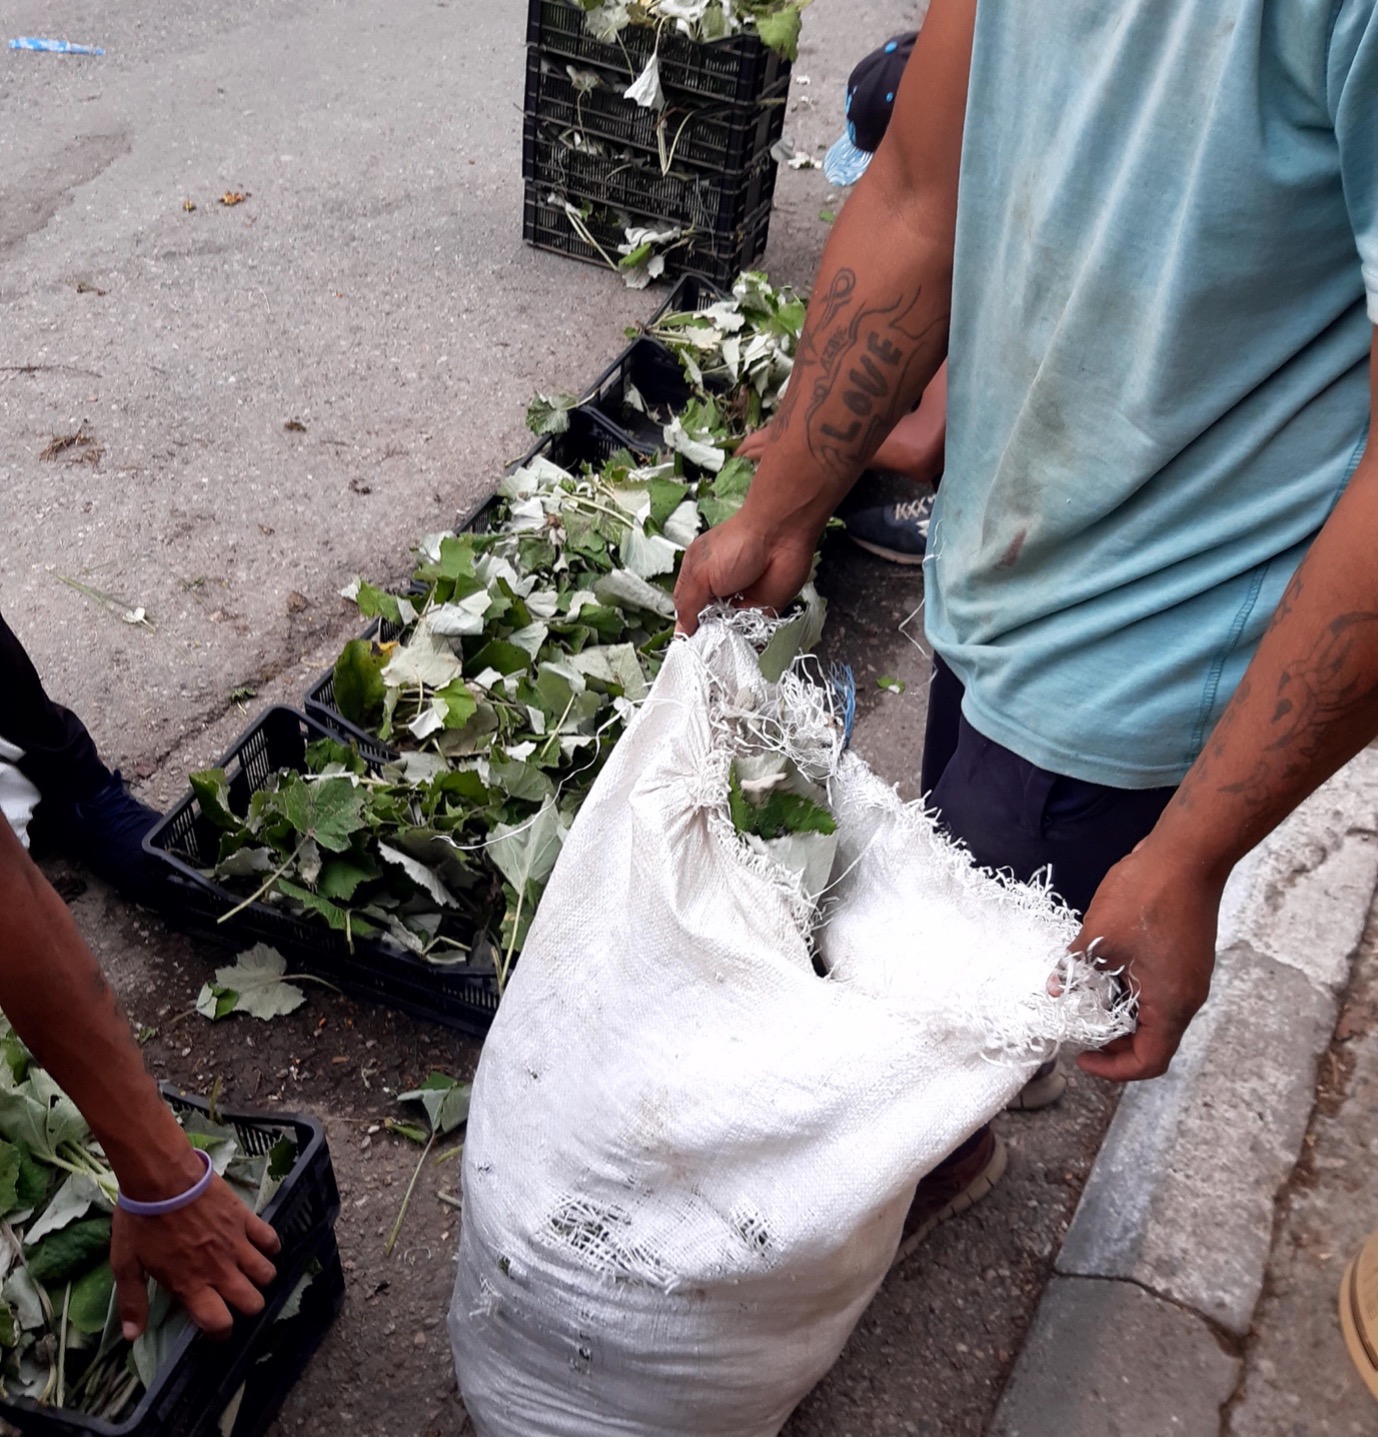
(781, 813)
(60, 1339)
(511, 675)
(503, 676)
(740, 349)
(777, 23)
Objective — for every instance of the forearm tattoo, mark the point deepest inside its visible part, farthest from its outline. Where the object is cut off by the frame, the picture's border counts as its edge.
(857, 367)
(1324, 708)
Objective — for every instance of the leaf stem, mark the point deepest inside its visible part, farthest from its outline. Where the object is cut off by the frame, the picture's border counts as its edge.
(512, 941)
(407, 1197)
(62, 1345)
(250, 900)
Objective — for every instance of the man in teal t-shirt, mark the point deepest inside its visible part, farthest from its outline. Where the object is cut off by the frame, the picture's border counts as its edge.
(1145, 232)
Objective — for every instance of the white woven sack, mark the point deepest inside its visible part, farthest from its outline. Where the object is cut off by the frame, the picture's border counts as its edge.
(18, 795)
(689, 1155)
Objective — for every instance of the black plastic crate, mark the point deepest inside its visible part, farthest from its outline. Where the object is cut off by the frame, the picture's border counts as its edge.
(654, 372)
(589, 436)
(691, 293)
(714, 202)
(546, 226)
(200, 1378)
(721, 139)
(738, 69)
(454, 994)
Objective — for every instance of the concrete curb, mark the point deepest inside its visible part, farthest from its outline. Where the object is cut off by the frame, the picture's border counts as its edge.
(1162, 1268)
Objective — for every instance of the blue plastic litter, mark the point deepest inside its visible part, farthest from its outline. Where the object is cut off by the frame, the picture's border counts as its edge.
(54, 47)
(845, 690)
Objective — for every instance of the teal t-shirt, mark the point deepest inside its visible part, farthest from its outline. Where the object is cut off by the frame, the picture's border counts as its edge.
(1164, 292)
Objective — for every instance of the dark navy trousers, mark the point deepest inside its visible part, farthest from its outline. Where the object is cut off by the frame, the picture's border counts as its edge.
(1018, 817)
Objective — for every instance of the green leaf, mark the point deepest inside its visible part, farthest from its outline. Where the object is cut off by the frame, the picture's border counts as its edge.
(214, 1002)
(550, 415)
(89, 1304)
(459, 701)
(780, 30)
(154, 1345)
(374, 602)
(65, 1254)
(408, 1130)
(419, 874)
(795, 636)
(326, 752)
(326, 810)
(520, 780)
(665, 496)
(282, 1158)
(358, 682)
(446, 1101)
(33, 1179)
(256, 979)
(334, 915)
(427, 660)
(72, 1201)
(16, 1054)
(341, 876)
(525, 853)
(740, 810)
(213, 796)
(504, 657)
(9, 1178)
(784, 813)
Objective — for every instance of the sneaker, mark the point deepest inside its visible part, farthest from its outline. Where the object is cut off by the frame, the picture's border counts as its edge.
(1046, 1087)
(896, 532)
(966, 1176)
(106, 831)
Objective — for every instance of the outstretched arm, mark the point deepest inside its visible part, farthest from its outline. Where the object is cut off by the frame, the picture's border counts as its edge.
(876, 331)
(1306, 705)
(52, 990)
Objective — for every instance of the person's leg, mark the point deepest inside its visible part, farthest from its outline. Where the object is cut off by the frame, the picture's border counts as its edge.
(84, 808)
(1012, 816)
(60, 757)
(941, 724)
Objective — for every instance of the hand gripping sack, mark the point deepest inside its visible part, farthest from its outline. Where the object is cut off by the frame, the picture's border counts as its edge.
(689, 1154)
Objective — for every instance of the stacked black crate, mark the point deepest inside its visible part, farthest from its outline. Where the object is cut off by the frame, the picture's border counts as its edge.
(696, 170)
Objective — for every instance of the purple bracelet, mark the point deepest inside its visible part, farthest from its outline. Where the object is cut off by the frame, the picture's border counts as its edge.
(183, 1199)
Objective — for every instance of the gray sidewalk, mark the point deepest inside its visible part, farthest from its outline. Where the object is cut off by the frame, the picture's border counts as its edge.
(1159, 1318)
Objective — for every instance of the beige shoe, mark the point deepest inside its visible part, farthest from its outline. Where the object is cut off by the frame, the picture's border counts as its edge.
(1043, 1090)
(1357, 1311)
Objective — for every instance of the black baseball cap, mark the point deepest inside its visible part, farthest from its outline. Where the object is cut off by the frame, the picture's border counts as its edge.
(868, 101)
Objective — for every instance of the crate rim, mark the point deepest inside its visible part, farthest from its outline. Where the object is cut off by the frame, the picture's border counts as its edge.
(83, 1422)
(452, 971)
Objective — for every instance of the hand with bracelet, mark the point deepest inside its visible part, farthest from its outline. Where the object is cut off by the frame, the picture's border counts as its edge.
(176, 1222)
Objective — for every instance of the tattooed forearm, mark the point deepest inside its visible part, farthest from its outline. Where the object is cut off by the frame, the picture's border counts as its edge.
(1323, 709)
(1319, 703)
(857, 369)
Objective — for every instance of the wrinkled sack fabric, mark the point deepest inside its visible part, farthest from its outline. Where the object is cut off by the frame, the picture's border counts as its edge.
(689, 1155)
